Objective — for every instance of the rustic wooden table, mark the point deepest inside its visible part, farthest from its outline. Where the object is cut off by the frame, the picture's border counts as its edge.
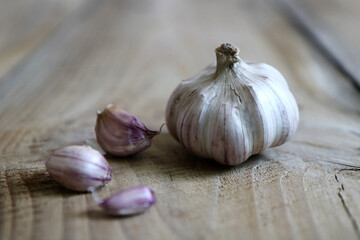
(61, 61)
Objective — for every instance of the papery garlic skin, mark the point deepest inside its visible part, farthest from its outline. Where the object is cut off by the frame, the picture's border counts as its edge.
(79, 168)
(120, 133)
(131, 201)
(232, 109)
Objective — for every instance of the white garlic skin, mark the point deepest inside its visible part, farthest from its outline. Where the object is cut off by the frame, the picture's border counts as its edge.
(232, 109)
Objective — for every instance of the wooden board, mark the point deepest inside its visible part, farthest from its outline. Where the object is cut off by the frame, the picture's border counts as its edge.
(78, 56)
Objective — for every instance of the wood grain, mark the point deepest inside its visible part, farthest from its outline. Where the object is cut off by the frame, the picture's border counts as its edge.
(134, 54)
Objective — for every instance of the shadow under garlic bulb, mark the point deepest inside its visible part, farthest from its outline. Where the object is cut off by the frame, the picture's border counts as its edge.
(232, 109)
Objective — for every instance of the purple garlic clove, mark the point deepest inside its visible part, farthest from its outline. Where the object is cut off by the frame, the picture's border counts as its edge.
(79, 168)
(130, 201)
(120, 133)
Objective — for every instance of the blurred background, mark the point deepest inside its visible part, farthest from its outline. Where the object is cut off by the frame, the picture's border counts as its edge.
(82, 44)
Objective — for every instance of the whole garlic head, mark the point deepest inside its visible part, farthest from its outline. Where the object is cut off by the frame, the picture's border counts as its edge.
(232, 109)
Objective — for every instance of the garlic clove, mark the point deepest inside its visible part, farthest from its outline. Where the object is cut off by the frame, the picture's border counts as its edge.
(232, 109)
(130, 201)
(79, 168)
(120, 133)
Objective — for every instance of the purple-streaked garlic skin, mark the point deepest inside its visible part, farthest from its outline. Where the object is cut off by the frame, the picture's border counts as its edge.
(79, 168)
(131, 201)
(120, 133)
(232, 109)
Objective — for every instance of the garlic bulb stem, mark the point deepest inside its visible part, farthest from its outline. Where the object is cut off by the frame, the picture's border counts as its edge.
(226, 56)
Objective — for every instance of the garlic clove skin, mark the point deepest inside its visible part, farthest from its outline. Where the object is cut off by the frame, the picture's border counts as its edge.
(129, 202)
(232, 109)
(120, 133)
(79, 168)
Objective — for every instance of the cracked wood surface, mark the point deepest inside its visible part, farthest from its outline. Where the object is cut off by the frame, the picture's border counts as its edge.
(61, 62)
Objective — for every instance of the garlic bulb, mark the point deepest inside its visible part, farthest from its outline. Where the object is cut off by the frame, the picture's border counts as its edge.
(120, 133)
(232, 109)
(79, 168)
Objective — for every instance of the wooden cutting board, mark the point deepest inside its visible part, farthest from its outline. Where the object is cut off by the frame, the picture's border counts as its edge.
(61, 61)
